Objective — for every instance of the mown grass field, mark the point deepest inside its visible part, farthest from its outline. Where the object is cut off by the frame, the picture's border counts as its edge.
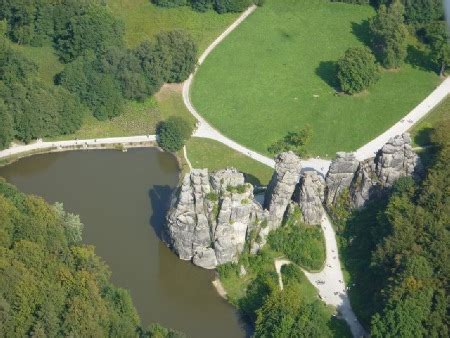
(274, 74)
(143, 20)
(206, 153)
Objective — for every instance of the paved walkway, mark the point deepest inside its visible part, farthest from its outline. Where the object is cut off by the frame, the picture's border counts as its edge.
(441, 92)
(17, 150)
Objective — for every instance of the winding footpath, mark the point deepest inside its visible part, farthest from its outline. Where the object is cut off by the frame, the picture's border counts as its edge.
(329, 281)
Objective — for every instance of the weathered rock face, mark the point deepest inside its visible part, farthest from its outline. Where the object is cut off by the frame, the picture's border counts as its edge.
(211, 217)
(339, 176)
(373, 176)
(396, 159)
(281, 187)
(363, 184)
(310, 196)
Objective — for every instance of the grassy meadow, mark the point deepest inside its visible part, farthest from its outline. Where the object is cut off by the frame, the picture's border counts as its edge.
(275, 73)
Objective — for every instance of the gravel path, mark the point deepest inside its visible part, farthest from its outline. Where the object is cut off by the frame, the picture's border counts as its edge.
(441, 92)
(17, 150)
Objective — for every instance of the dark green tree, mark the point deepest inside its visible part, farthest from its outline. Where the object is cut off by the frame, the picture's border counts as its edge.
(357, 70)
(6, 126)
(389, 35)
(183, 54)
(437, 36)
(173, 133)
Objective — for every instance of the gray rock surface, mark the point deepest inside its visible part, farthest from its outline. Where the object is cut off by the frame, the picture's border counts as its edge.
(211, 217)
(310, 196)
(281, 187)
(374, 176)
(339, 176)
(396, 159)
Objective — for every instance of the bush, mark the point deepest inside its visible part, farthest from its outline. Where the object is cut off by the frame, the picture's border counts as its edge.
(302, 244)
(173, 133)
(357, 70)
(225, 6)
(170, 3)
(202, 5)
(295, 141)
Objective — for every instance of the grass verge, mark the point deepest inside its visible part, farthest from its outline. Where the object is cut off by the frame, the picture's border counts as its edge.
(206, 153)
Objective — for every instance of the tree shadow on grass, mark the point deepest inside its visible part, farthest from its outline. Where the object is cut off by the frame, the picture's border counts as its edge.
(362, 32)
(327, 72)
(419, 59)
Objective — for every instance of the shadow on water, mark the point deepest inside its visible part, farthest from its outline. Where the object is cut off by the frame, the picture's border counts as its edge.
(327, 72)
(160, 196)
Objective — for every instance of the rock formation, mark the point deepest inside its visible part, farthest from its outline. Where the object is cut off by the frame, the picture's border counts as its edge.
(339, 176)
(310, 196)
(211, 217)
(373, 176)
(279, 194)
(281, 187)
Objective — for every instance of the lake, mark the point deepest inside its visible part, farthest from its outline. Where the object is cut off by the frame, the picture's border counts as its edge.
(122, 199)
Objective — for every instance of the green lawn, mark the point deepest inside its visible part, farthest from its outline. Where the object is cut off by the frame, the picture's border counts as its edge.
(143, 20)
(422, 130)
(274, 73)
(206, 153)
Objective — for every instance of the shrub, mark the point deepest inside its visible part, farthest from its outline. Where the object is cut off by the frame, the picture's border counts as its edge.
(301, 244)
(170, 3)
(295, 141)
(173, 133)
(357, 70)
(202, 5)
(225, 6)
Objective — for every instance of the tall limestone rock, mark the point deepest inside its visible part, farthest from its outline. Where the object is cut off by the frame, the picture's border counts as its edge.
(339, 176)
(281, 187)
(372, 177)
(309, 196)
(211, 217)
(396, 159)
(279, 194)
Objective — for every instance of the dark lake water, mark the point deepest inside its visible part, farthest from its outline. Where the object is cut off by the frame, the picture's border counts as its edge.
(122, 199)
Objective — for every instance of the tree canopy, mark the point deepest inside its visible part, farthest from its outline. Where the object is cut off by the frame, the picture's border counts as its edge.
(357, 70)
(389, 35)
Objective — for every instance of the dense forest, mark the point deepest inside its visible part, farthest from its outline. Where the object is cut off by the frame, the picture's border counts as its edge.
(397, 252)
(53, 285)
(100, 72)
